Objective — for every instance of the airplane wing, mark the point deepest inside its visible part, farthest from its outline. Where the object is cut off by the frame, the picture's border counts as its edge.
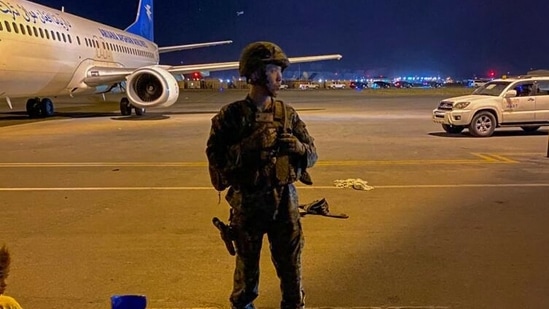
(168, 49)
(97, 76)
(221, 66)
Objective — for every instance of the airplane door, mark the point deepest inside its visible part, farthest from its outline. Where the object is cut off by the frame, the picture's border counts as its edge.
(521, 108)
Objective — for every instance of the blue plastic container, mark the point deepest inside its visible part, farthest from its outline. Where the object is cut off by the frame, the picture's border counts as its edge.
(128, 302)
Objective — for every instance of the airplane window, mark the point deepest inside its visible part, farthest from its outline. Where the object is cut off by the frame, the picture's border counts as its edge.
(15, 29)
(41, 32)
(1, 28)
(29, 30)
(47, 34)
(78, 39)
(35, 31)
(7, 26)
(58, 37)
(69, 37)
(52, 35)
(64, 37)
(22, 28)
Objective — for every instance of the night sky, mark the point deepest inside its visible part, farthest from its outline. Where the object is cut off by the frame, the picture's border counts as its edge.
(459, 38)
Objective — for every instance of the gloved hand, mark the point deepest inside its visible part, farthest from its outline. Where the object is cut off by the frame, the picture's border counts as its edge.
(291, 144)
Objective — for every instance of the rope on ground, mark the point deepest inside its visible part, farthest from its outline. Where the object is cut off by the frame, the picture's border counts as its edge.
(355, 183)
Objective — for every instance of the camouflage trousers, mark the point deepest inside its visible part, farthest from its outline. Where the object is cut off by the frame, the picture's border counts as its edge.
(274, 213)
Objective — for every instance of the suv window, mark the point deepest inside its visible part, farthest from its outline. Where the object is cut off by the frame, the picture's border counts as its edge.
(543, 87)
(492, 88)
(525, 89)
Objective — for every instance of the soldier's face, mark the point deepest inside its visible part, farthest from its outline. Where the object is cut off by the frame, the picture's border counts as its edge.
(273, 74)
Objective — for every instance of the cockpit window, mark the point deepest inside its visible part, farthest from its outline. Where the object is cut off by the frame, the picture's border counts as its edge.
(492, 88)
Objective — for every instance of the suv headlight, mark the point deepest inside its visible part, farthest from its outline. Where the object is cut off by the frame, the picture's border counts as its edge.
(461, 105)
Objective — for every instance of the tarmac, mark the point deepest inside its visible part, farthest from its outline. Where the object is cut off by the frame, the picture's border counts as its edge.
(95, 204)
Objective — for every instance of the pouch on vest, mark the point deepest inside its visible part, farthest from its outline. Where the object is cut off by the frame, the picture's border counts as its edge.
(219, 182)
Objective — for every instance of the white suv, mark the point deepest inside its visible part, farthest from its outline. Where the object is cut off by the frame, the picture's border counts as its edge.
(305, 86)
(335, 85)
(509, 102)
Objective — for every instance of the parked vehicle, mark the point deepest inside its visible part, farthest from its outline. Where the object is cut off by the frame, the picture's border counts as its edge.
(308, 85)
(335, 85)
(511, 102)
(358, 85)
(402, 84)
(381, 84)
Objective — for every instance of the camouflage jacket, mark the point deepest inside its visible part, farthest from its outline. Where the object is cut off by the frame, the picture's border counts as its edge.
(233, 162)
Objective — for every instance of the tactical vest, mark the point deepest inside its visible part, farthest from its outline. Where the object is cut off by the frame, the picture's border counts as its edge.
(273, 167)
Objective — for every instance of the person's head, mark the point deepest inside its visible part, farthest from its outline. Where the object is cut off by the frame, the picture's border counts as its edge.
(262, 63)
(4, 267)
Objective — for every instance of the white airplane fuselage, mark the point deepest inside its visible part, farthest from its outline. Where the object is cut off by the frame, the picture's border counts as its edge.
(47, 52)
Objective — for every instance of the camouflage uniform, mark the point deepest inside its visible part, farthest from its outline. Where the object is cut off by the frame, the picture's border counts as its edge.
(262, 196)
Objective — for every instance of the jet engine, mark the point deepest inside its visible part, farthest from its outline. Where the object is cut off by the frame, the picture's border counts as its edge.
(152, 87)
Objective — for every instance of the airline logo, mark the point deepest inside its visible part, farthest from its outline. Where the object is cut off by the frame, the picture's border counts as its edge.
(149, 12)
(121, 37)
(20, 12)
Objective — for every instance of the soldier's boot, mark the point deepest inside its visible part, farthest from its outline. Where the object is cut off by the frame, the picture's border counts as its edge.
(300, 304)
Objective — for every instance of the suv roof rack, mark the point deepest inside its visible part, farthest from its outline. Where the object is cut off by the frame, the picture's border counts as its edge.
(538, 73)
(529, 74)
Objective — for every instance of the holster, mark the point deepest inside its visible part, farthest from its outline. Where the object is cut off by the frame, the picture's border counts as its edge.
(226, 235)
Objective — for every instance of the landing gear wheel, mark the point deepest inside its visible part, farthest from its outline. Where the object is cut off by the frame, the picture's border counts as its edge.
(46, 107)
(33, 108)
(483, 124)
(452, 129)
(125, 107)
(139, 111)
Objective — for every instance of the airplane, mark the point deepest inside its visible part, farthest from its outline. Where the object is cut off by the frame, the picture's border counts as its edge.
(45, 52)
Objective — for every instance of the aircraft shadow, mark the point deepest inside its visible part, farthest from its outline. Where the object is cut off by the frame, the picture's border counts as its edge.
(21, 117)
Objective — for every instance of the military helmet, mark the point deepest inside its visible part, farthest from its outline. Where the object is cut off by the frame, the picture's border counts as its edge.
(258, 54)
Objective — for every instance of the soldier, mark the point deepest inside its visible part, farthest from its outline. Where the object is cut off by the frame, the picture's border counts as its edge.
(258, 147)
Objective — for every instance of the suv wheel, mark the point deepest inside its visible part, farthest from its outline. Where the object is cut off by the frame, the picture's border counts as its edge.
(483, 124)
(452, 129)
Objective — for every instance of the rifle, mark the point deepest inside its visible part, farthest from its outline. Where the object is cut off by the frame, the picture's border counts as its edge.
(226, 235)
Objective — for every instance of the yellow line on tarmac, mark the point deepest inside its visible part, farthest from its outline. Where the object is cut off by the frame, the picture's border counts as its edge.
(105, 164)
(494, 158)
(484, 158)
